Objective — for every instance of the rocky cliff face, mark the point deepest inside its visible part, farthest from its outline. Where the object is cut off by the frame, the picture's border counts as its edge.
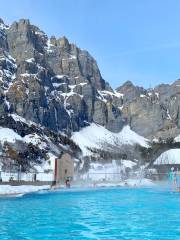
(52, 82)
(153, 113)
(59, 86)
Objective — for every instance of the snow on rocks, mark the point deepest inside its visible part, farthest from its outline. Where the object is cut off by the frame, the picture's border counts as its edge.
(115, 93)
(7, 74)
(94, 135)
(3, 26)
(56, 85)
(7, 134)
(177, 139)
(103, 95)
(18, 118)
(30, 60)
(35, 140)
(49, 46)
(142, 96)
(60, 76)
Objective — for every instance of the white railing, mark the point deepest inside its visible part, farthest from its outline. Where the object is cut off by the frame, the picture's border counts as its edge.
(41, 176)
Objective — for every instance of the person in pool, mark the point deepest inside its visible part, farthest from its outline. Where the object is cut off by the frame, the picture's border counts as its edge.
(68, 184)
(178, 181)
(172, 178)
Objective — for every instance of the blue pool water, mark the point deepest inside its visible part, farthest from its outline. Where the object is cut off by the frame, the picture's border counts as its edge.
(132, 214)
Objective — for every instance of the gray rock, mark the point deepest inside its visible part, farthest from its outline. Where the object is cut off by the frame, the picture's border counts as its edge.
(56, 84)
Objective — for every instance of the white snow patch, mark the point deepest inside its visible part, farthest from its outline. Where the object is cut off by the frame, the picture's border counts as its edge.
(116, 94)
(157, 94)
(177, 139)
(28, 75)
(49, 45)
(35, 140)
(39, 33)
(155, 140)
(7, 134)
(168, 115)
(21, 119)
(82, 84)
(52, 159)
(30, 60)
(121, 108)
(56, 85)
(60, 76)
(3, 26)
(72, 57)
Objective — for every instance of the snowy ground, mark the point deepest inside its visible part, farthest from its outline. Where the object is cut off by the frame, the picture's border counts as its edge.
(8, 190)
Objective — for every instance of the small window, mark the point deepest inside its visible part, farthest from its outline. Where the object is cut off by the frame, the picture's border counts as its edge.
(65, 171)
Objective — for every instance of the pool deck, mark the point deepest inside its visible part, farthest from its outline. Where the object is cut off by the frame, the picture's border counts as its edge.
(17, 190)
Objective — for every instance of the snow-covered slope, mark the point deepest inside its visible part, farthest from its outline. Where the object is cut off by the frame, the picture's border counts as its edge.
(94, 135)
(7, 134)
(177, 139)
(30, 144)
(171, 156)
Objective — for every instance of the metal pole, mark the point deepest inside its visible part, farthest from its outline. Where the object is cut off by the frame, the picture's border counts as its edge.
(55, 171)
(20, 173)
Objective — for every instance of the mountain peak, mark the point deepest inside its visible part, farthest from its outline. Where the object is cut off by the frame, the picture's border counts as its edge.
(63, 42)
(24, 21)
(1, 21)
(128, 84)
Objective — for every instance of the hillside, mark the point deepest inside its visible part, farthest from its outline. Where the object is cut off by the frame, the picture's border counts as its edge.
(95, 136)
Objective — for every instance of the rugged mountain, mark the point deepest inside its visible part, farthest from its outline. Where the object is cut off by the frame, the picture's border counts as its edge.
(153, 113)
(59, 88)
(52, 82)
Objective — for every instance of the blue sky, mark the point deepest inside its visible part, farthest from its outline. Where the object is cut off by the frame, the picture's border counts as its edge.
(137, 40)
